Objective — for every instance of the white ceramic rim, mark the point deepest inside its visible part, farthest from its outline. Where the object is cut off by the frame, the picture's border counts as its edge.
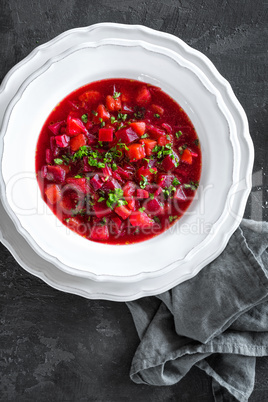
(227, 93)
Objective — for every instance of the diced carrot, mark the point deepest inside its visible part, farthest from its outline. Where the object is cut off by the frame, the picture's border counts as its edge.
(122, 211)
(187, 156)
(90, 96)
(110, 103)
(140, 219)
(158, 109)
(143, 96)
(103, 112)
(139, 127)
(77, 142)
(136, 152)
(75, 126)
(148, 145)
(162, 140)
(130, 203)
(53, 193)
(106, 134)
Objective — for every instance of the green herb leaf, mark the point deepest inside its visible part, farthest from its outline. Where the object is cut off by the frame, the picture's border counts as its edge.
(176, 182)
(113, 120)
(178, 134)
(144, 182)
(78, 176)
(145, 135)
(101, 199)
(58, 161)
(84, 118)
(157, 115)
(142, 209)
(122, 116)
(172, 218)
(94, 112)
(116, 95)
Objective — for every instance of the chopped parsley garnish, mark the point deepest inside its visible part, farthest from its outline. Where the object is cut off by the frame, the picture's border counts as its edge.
(193, 185)
(142, 209)
(145, 135)
(176, 182)
(154, 171)
(58, 161)
(196, 142)
(178, 134)
(172, 218)
(156, 219)
(113, 120)
(84, 118)
(116, 198)
(94, 112)
(116, 95)
(144, 182)
(114, 166)
(122, 116)
(157, 115)
(78, 176)
(101, 199)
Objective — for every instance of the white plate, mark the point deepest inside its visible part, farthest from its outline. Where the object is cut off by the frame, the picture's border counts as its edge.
(227, 162)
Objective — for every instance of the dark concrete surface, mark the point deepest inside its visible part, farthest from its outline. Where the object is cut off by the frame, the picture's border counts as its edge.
(60, 347)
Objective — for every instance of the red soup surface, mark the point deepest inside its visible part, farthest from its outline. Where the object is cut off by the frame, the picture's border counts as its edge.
(118, 161)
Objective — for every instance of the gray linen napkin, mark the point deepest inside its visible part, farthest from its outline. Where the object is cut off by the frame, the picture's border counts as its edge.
(217, 321)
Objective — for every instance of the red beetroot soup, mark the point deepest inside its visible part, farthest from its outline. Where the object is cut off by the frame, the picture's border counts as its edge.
(118, 161)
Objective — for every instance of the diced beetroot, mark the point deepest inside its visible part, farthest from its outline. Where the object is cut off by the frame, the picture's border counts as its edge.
(180, 194)
(55, 150)
(140, 219)
(86, 166)
(116, 176)
(148, 173)
(99, 232)
(129, 188)
(155, 132)
(53, 193)
(77, 142)
(142, 193)
(96, 182)
(55, 127)
(115, 224)
(136, 152)
(107, 172)
(122, 211)
(62, 141)
(124, 173)
(49, 156)
(158, 191)
(111, 184)
(81, 184)
(126, 135)
(101, 209)
(75, 126)
(91, 138)
(139, 127)
(169, 163)
(106, 134)
(143, 96)
(154, 206)
(165, 180)
(167, 127)
(53, 173)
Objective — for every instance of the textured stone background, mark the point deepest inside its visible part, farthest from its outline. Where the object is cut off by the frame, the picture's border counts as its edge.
(60, 347)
